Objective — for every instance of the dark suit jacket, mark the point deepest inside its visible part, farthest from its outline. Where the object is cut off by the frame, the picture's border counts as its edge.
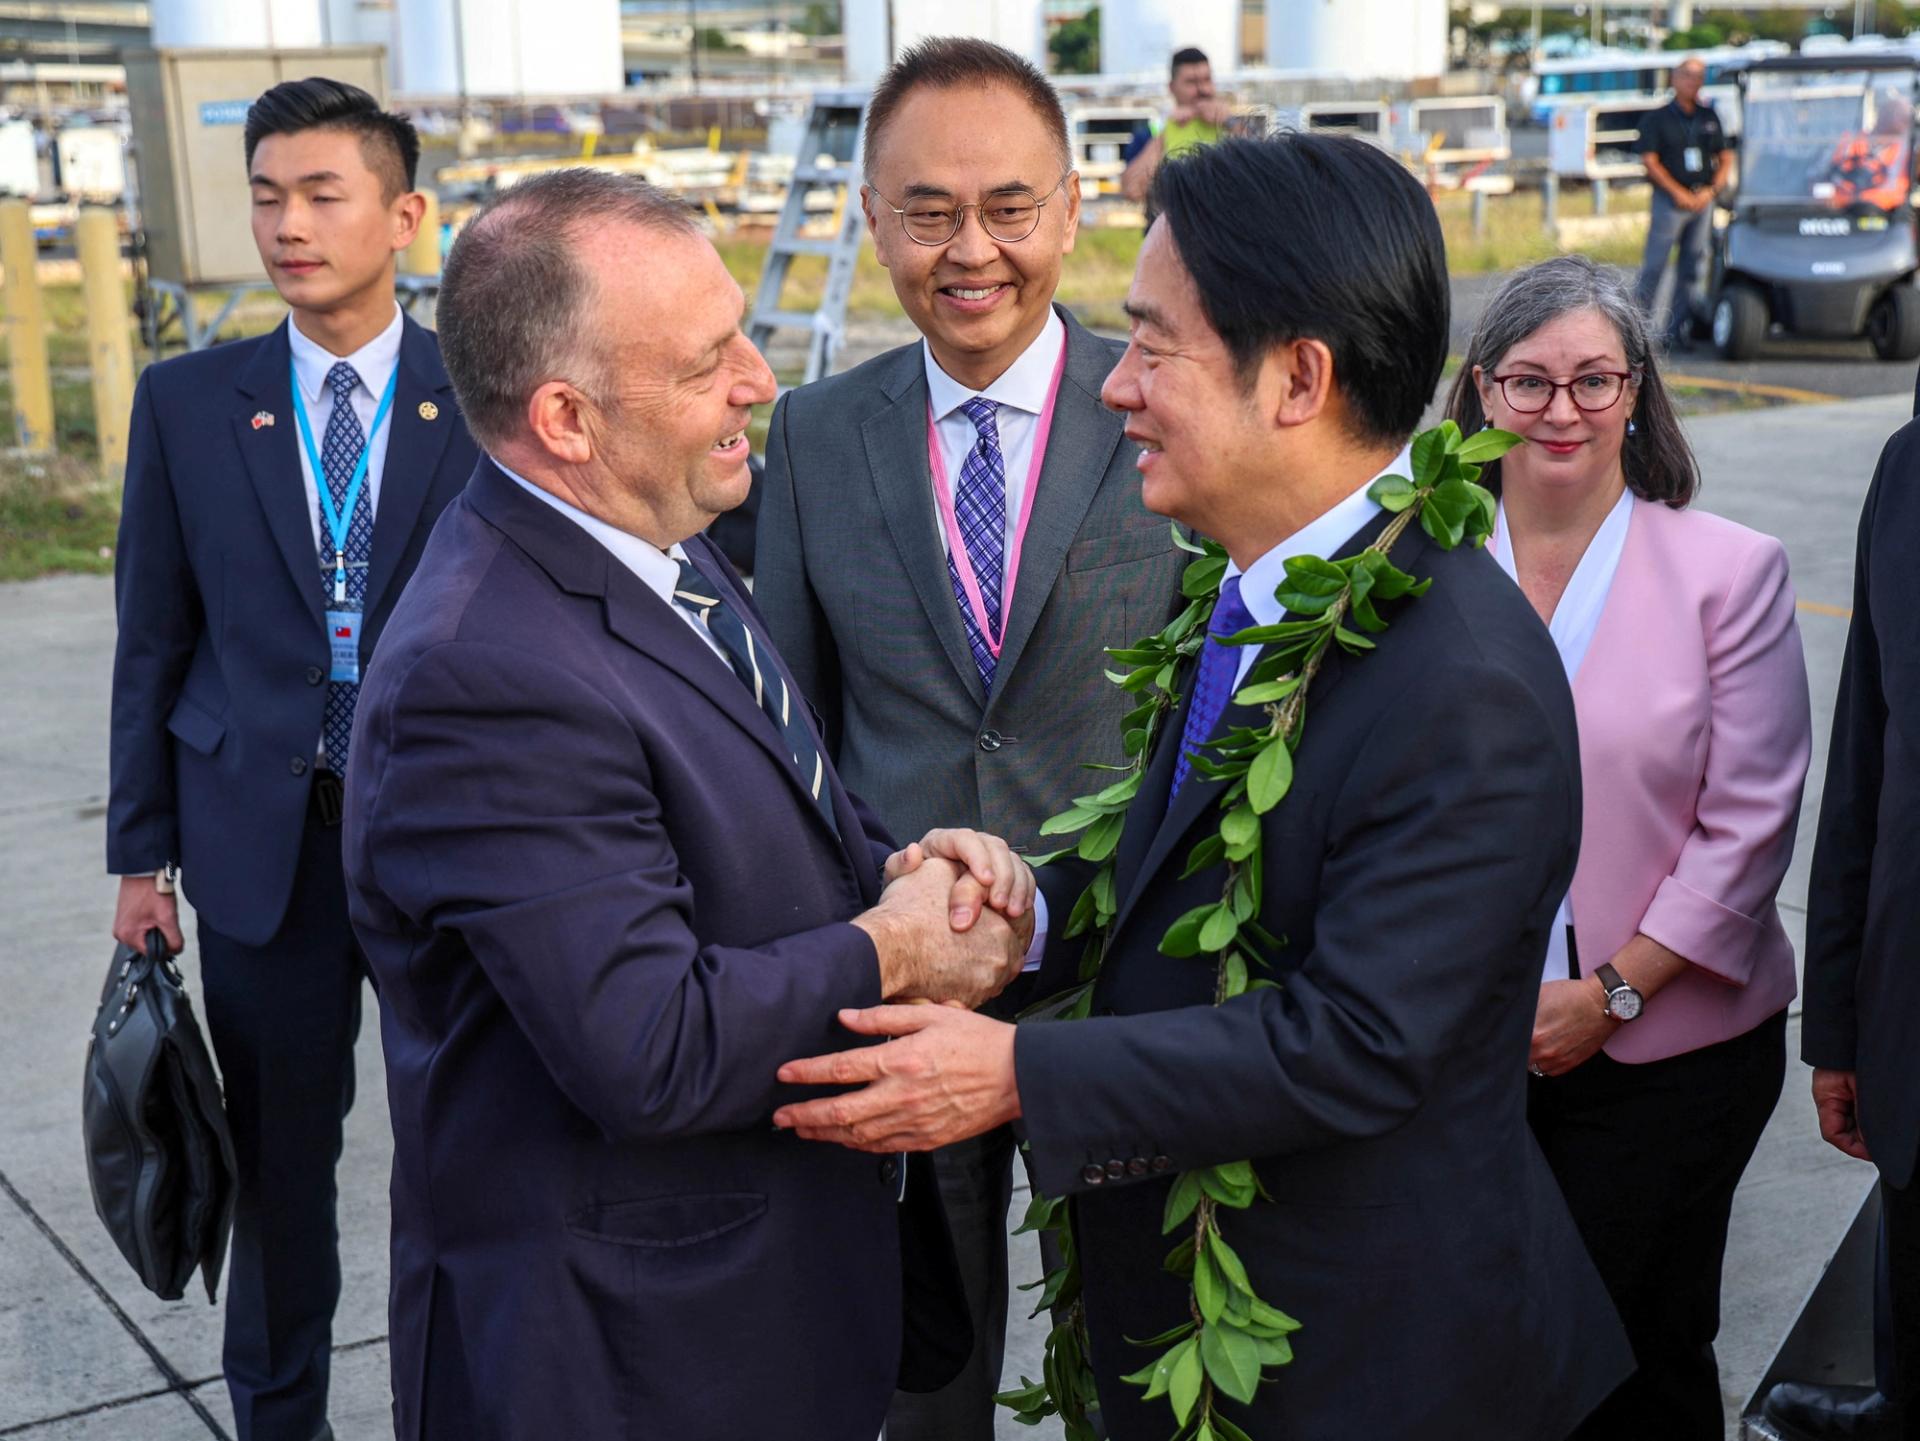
(220, 665)
(1862, 1007)
(1412, 873)
(851, 576)
(602, 910)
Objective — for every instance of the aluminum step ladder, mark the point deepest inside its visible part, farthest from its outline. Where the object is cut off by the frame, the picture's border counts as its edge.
(828, 161)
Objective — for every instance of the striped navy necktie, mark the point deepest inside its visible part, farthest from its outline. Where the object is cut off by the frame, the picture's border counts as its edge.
(760, 672)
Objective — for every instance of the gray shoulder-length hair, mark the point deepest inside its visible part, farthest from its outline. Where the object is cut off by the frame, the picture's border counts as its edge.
(1658, 461)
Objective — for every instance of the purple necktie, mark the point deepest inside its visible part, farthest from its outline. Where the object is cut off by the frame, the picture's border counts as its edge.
(1213, 685)
(980, 506)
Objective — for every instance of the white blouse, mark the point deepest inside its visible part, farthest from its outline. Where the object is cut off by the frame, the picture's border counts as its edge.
(1574, 621)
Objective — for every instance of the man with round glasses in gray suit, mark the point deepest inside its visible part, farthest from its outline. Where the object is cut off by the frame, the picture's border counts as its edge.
(952, 531)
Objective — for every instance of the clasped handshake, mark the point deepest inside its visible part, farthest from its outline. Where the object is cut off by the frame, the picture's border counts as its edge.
(951, 931)
(955, 920)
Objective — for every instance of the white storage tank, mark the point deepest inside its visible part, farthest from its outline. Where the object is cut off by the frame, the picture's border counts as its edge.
(237, 24)
(1377, 40)
(507, 48)
(878, 30)
(1138, 37)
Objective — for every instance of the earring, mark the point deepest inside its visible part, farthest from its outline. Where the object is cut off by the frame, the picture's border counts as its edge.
(1632, 429)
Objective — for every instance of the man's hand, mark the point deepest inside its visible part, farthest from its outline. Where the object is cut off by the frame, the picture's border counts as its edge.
(949, 1076)
(1214, 111)
(142, 908)
(1836, 1101)
(994, 873)
(1570, 1024)
(924, 951)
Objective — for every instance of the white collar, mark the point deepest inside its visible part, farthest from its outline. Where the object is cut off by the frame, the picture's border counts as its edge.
(373, 362)
(658, 570)
(1322, 537)
(1022, 385)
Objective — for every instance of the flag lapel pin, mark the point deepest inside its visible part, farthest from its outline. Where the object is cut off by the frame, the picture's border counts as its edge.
(262, 417)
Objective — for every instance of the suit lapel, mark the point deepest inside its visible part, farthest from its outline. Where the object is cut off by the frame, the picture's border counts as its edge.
(896, 444)
(1168, 824)
(271, 452)
(636, 616)
(414, 447)
(1080, 446)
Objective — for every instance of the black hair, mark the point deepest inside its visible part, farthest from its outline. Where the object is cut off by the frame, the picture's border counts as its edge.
(389, 142)
(1191, 55)
(948, 62)
(1317, 237)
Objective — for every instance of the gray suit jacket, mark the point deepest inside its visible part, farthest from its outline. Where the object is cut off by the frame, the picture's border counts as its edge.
(850, 575)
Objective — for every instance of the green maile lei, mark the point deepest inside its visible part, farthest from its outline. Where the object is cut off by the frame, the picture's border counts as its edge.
(1231, 1339)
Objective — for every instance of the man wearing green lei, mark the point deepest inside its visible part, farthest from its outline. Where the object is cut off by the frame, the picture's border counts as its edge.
(1306, 923)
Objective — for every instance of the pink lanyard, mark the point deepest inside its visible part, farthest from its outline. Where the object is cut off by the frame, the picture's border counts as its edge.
(957, 547)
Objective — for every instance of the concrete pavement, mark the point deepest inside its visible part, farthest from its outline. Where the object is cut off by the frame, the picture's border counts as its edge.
(86, 1354)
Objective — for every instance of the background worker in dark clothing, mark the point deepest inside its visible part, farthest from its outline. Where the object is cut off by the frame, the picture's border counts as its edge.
(1685, 151)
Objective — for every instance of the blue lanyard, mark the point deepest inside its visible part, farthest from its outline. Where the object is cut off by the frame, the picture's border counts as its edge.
(339, 520)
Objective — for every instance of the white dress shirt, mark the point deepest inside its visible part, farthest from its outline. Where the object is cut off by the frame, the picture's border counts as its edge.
(1322, 537)
(375, 363)
(1575, 619)
(1022, 392)
(659, 572)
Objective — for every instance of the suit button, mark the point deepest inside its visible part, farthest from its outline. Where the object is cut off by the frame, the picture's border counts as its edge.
(1116, 1169)
(1094, 1175)
(315, 675)
(1161, 1164)
(1137, 1166)
(890, 1170)
(989, 740)
(297, 766)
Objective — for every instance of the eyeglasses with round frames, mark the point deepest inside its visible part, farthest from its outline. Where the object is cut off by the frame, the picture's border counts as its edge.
(1591, 391)
(1008, 216)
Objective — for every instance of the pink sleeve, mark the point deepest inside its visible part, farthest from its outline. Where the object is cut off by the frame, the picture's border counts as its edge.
(1717, 905)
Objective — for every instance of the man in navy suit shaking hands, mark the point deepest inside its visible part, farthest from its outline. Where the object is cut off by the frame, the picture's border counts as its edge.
(608, 880)
(279, 493)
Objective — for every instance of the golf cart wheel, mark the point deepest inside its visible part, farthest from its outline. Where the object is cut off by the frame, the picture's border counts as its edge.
(1739, 322)
(1894, 324)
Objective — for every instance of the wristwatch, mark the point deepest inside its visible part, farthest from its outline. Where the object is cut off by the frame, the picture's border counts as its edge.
(1623, 1001)
(166, 878)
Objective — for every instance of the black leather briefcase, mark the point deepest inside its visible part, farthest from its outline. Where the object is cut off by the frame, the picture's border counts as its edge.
(159, 1154)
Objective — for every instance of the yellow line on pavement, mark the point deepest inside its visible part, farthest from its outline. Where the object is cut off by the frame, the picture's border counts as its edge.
(1814, 607)
(1769, 392)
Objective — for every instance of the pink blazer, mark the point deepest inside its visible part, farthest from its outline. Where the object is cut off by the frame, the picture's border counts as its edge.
(1694, 738)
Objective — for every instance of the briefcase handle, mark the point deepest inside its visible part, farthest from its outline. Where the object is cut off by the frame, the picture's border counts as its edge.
(158, 962)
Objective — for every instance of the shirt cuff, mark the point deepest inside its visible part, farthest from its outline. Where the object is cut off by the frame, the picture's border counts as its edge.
(1038, 947)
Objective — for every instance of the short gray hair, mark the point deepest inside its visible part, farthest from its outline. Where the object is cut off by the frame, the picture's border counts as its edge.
(1659, 463)
(514, 297)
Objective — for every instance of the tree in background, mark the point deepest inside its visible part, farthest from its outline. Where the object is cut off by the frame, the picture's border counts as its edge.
(1075, 46)
(822, 17)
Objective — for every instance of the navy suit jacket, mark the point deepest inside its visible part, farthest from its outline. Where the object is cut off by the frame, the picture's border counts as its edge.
(1413, 1228)
(220, 665)
(602, 910)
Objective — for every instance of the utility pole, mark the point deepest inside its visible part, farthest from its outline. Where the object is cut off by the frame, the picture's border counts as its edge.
(693, 43)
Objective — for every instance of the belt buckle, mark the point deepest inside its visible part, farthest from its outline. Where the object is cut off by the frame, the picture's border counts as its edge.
(329, 796)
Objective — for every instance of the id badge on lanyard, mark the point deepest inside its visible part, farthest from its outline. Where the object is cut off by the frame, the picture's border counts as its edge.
(343, 618)
(1694, 161)
(343, 645)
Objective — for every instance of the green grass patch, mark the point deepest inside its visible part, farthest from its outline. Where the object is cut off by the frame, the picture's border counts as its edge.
(55, 515)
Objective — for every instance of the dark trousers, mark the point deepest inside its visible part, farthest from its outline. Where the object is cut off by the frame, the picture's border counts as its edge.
(1900, 1217)
(1668, 227)
(283, 1018)
(1648, 1157)
(976, 1186)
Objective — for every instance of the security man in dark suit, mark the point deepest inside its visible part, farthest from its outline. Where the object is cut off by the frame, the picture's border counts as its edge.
(279, 492)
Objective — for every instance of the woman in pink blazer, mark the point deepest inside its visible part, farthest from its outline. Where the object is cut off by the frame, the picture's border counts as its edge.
(1659, 1045)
